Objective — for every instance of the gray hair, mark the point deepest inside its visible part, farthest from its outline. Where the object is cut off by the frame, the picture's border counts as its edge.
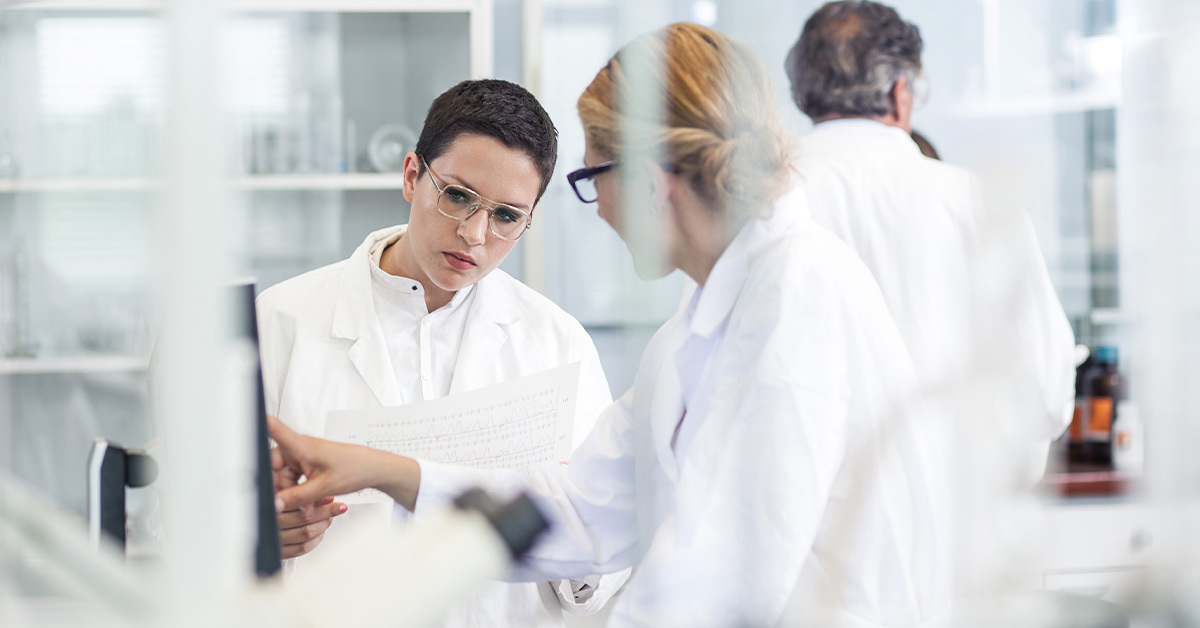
(849, 56)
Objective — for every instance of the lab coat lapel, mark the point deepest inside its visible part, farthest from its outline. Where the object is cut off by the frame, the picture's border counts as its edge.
(354, 319)
(479, 359)
(700, 317)
(666, 403)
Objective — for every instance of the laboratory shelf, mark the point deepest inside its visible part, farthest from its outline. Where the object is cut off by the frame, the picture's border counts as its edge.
(1108, 316)
(1036, 106)
(75, 185)
(348, 181)
(116, 363)
(333, 6)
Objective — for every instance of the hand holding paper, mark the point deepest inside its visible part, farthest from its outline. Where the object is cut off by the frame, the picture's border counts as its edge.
(336, 468)
(513, 425)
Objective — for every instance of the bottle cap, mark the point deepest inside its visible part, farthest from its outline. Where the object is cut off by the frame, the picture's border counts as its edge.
(1106, 354)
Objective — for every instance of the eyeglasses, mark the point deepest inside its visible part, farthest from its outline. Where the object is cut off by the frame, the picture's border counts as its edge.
(460, 203)
(582, 180)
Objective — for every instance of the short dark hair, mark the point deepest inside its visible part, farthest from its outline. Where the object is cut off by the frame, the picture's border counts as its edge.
(492, 108)
(848, 58)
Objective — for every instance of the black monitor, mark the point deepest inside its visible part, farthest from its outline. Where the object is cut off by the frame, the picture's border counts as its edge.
(268, 556)
(111, 467)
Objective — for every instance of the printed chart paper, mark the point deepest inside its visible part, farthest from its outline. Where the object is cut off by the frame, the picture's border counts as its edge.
(512, 425)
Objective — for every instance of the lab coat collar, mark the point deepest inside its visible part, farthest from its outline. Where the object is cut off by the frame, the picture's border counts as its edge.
(354, 313)
(715, 300)
(375, 253)
(864, 128)
(355, 319)
(711, 304)
(706, 311)
(493, 311)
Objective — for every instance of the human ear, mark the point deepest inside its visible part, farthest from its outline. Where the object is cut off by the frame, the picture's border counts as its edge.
(660, 185)
(412, 172)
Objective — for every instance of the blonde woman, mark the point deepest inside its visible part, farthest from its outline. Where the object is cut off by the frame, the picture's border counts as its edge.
(727, 473)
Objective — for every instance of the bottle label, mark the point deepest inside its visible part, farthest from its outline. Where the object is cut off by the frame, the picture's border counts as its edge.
(1100, 422)
(1075, 431)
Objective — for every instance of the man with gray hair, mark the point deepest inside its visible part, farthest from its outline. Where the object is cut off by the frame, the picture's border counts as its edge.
(968, 289)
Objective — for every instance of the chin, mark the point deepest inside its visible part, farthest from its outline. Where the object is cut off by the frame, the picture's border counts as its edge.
(453, 281)
(454, 284)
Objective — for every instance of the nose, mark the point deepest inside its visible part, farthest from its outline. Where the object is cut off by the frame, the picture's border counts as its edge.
(474, 229)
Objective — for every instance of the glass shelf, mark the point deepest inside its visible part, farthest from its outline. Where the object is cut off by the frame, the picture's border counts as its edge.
(349, 6)
(348, 181)
(99, 363)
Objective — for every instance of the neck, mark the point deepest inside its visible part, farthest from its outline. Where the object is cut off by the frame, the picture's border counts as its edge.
(700, 246)
(398, 259)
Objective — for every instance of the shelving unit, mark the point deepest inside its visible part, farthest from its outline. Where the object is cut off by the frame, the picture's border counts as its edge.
(480, 12)
(74, 364)
(81, 169)
(349, 181)
(362, 6)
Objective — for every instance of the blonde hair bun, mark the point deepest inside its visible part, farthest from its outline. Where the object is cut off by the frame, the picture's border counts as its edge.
(717, 125)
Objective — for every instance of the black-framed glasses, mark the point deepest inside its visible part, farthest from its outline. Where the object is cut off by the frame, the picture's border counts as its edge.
(460, 203)
(583, 180)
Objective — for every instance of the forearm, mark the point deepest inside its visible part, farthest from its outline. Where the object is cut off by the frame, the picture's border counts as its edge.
(397, 476)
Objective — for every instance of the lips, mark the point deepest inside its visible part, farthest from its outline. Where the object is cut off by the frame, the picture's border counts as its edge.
(459, 261)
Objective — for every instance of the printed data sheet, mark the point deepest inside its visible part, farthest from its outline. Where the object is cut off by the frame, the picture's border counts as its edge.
(511, 425)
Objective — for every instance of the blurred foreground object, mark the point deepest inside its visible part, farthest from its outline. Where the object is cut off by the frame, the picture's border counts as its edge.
(51, 576)
(384, 577)
(48, 567)
(112, 468)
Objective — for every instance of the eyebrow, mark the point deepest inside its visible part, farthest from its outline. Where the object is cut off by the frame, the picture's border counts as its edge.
(521, 206)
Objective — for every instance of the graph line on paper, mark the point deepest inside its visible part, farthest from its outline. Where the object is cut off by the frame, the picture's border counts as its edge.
(513, 425)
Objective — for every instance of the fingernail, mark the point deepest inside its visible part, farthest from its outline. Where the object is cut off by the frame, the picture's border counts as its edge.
(327, 500)
(278, 504)
(343, 508)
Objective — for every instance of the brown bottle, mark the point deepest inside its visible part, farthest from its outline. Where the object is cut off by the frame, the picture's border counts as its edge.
(1074, 435)
(1102, 388)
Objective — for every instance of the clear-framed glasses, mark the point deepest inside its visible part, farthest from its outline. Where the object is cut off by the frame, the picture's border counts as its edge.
(460, 203)
(583, 180)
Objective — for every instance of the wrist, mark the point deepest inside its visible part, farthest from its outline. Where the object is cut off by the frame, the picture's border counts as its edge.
(397, 476)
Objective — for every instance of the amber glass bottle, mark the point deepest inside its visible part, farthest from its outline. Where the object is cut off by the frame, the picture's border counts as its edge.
(1102, 388)
(1074, 436)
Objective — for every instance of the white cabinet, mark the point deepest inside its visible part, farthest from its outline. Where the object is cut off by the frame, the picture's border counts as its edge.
(1099, 549)
(307, 84)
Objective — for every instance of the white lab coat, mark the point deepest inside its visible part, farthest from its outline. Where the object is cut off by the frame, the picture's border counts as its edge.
(729, 471)
(323, 350)
(968, 288)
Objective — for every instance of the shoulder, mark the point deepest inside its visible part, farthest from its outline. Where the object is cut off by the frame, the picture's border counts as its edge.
(303, 294)
(542, 322)
(830, 155)
(810, 267)
(948, 174)
(524, 303)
